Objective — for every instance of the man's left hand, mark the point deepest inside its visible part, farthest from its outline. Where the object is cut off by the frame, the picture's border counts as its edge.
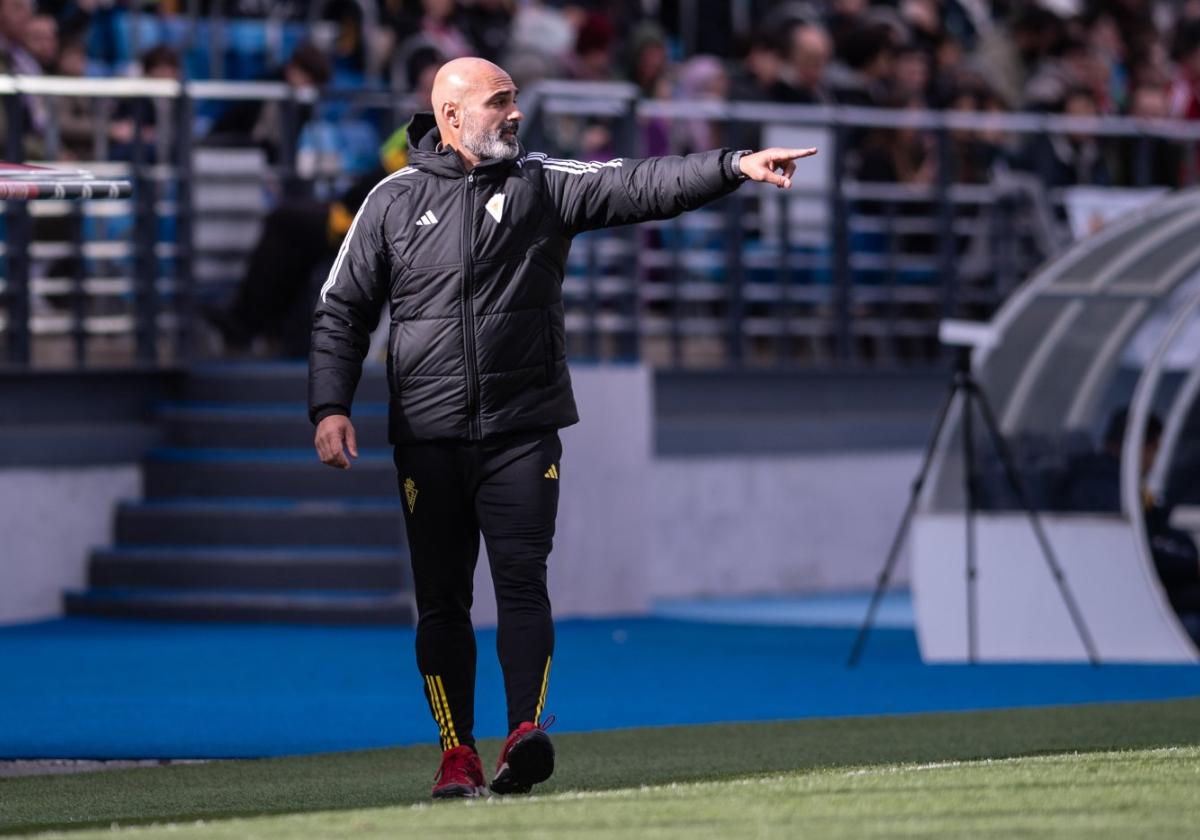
(761, 166)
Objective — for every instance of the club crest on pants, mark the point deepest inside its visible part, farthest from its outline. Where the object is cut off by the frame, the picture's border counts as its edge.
(410, 493)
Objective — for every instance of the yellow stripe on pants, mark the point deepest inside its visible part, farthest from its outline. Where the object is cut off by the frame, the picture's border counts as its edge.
(537, 716)
(435, 705)
(446, 706)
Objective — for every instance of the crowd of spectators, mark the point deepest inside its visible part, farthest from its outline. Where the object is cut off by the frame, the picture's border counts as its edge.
(1078, 57)
(1138, 58)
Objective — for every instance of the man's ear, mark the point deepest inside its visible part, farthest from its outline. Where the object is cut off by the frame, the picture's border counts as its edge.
(451, 113)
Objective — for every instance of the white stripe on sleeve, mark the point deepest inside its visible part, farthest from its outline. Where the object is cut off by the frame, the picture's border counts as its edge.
(575, 167)
(337, 263)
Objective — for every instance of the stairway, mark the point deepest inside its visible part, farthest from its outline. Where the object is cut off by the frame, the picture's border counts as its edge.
(240, 522)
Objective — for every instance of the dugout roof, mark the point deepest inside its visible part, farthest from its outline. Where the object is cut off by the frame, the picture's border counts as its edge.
(1110, 323)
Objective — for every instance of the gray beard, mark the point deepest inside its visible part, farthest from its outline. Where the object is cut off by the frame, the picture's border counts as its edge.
(488, 146)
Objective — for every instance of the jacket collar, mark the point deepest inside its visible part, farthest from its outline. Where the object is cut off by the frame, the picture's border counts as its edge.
(424, 140)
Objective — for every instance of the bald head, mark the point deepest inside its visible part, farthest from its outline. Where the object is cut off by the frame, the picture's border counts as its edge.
(475, 105)
(462, 75)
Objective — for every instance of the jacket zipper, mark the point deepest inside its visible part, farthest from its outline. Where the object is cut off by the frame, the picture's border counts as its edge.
(468, 312)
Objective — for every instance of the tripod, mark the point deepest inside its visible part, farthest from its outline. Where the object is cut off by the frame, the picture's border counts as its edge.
(963, 383)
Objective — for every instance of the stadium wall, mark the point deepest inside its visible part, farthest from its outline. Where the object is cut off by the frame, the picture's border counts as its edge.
(73, 440)
(635, 527)
(50, 519)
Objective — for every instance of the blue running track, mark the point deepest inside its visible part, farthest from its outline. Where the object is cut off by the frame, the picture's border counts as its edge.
(110, 689)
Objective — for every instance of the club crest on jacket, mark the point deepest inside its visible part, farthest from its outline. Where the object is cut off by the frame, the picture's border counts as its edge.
(495, 206)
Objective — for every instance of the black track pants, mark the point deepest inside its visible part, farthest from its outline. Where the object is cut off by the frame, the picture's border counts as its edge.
(451, 492)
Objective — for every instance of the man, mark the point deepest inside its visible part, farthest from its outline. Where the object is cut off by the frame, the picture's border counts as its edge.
(467, 246)
(1067, 160)
(15, 16)
(263, 124)
(809, 49)
(1093, 483)
(1147, 161)
(16, 59)
(864, 73)
(40, 40)
(1184, 94)
(275, 296)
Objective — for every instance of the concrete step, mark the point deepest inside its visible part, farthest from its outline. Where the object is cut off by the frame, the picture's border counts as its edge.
(365, 521)
(75, 444)
(250, 567)
(259, 425)
(276, 382)
(295, 473)
(383, 606)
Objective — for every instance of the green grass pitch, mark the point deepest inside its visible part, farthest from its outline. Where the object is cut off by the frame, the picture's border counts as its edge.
(1116, 770)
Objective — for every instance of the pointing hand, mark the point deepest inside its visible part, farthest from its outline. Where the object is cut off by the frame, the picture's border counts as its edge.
(761, 166)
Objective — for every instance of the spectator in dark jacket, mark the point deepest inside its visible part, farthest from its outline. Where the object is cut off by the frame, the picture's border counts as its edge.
(867, 51)
(1094, 484)
(258, 123)
(487, 24)
(276, 295)
(15, 16)
(805, 72)
(41, 41)
(1067, 160)
(74, 115)
(159, 62)
(1147, 161)
(759, 77)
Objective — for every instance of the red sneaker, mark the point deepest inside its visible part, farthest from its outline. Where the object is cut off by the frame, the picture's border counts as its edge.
(460, 775)
(526, 760)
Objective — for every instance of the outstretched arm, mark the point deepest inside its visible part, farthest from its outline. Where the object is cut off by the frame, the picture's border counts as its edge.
(596, 194)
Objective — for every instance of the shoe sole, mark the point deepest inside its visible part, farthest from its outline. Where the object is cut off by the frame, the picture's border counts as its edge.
(530, 762)
(459, 792)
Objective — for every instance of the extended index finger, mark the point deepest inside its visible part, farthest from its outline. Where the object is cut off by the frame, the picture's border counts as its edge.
(794, 154)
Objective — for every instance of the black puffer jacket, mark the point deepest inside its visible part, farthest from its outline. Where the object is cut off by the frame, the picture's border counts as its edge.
(471, 268)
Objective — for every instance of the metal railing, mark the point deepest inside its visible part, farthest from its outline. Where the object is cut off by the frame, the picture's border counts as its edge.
(836, 271)
(115, 282)
(864, 272)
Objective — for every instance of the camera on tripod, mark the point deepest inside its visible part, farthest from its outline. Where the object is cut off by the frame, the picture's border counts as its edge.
(967, 396)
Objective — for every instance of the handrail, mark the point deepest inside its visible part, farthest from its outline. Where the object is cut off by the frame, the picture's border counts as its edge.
(270, 91)
(590, 90)
(934, 120)
(1016, 122)
(74, 86)
(204, 89)
(579, 96)
(857, 268)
